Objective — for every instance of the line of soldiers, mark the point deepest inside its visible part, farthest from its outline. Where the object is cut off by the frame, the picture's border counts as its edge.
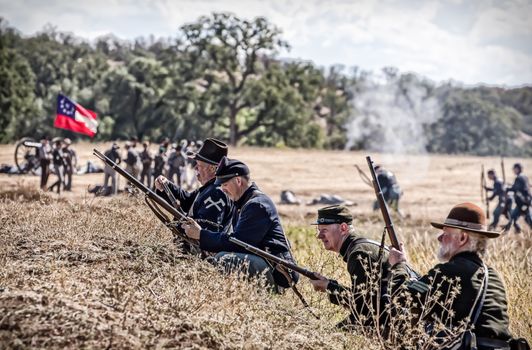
(521, 197)
(61, 160)
(228, 204)
(170, 160)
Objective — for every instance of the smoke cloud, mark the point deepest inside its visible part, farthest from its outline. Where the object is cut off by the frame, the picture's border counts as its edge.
(391, 113)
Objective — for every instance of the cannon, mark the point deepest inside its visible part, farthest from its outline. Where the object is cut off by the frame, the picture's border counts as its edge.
(27, 155)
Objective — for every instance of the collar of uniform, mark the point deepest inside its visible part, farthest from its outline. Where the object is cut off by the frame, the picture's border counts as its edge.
(246, 195)
(468, 256)
(208, 183)
(345, 246)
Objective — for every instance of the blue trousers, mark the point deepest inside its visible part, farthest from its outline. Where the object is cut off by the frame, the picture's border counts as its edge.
(248, 264)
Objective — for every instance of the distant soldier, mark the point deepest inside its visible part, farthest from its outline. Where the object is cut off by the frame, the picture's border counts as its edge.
(176, 162)
(504, 205)
(59, 163)
(45, 157)
(390, 188)
(71, 161)
(165, 143)
(522, 199)
(112, 154)
(147, 159)
(132, 160)
(159, 162)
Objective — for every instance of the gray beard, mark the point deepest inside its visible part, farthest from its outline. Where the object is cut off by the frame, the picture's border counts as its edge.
(443, 254)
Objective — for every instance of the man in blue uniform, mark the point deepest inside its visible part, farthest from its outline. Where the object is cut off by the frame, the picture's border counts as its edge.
(504, 206)
(390, 189)
(208, 205)
(255, 221)
(522, 199)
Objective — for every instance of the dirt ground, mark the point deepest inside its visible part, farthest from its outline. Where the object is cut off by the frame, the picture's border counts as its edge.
(432, 184)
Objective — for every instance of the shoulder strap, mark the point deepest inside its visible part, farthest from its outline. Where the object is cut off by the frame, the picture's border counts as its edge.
(479, 301)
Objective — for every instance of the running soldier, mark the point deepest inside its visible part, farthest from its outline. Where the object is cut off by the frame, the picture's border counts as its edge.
(522, 199)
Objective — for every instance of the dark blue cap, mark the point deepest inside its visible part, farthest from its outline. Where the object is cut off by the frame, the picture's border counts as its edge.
(229, 168)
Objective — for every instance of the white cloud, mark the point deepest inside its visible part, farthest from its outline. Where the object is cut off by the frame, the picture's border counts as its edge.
(472, 41)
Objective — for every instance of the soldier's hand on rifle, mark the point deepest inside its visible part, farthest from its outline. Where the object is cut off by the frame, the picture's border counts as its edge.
(192, 228)
(320, 284)
(159, 181)
(397, 256)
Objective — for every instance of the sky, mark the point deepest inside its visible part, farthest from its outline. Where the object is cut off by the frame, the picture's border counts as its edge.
(464, 41)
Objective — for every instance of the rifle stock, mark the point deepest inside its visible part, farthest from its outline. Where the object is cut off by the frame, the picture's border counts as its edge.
(147, 191)
(275, 259)
(382, 205)
(151, 195)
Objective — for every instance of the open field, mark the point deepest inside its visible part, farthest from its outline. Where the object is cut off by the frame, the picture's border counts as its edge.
(79, 271)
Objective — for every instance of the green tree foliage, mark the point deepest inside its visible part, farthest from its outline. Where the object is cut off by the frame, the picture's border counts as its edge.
(16, 88)
(227, 54)
(470, 124)
(221, 76)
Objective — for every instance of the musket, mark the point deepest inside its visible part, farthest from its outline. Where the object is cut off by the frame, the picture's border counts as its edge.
(286, 265)
(382, 204)
(483, 192)
(503, 172)
(274, 259)
(363, 176)
(153, 200)
(482, 182)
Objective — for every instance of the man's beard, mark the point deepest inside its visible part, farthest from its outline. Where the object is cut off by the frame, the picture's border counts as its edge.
(444, 253)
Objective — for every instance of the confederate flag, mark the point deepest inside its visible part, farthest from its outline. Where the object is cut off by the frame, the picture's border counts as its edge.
(72, 116)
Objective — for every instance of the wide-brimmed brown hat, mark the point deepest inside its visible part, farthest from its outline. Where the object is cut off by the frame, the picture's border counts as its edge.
(468, 217)
(212, 151)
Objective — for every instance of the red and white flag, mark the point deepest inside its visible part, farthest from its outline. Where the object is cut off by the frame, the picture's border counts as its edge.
(72, 116)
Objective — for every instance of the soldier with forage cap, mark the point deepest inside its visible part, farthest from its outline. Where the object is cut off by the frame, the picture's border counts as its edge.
(209, 205)
(523, 199)
(336, 231)
(255, 221)
(482, 298)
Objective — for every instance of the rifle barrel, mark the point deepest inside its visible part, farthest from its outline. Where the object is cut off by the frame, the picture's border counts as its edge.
(148, 192)
(273, 258)
(383, 206)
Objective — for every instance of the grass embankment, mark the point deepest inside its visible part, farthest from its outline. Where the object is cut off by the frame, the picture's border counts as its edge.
(103, 273)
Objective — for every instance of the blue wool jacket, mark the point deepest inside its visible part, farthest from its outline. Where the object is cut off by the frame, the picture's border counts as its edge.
(207, 203)
(256, 222)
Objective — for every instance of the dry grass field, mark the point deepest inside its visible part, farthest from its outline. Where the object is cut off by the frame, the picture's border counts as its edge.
(78, 271)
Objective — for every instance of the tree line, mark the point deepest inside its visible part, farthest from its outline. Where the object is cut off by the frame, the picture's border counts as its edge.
(222, 76)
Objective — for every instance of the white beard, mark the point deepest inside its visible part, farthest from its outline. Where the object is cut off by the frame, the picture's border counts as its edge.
(444, 253)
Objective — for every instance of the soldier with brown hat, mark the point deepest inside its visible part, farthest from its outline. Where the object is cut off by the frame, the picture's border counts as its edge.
(481, 301)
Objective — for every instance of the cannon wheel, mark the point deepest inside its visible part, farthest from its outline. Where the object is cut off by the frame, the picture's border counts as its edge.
(26, 158)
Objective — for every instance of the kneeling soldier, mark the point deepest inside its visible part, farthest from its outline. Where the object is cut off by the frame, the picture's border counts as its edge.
(255, 221)
(208, 204)
(481, 301)
(363, 258)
